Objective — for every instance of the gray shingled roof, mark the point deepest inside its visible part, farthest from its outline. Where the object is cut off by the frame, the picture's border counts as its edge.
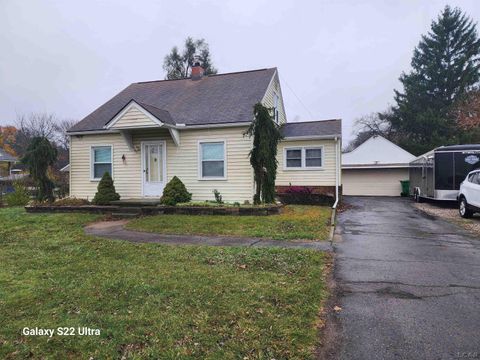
(214, 99)
(4, 156)
(312, 128)
(162, 115)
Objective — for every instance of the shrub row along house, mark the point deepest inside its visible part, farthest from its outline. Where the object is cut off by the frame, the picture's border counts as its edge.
(194, 129)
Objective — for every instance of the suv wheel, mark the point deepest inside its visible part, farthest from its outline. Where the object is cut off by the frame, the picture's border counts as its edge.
(463, 209)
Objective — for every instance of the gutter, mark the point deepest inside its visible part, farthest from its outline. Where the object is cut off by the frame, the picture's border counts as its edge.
(92, 132)
(177, 127)
(378, 166)
(310, 137)
(337, 168)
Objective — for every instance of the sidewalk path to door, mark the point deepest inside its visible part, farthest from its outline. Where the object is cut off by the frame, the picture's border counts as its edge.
(116, 230)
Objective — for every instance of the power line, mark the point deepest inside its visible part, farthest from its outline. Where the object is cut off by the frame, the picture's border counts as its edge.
(299, 100)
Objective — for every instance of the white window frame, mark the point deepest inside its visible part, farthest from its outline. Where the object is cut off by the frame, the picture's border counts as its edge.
(303, 157)
(92, 158)
(285, 157)
(200, 160)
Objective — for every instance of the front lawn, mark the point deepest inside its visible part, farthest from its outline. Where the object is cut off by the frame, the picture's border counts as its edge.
(151, 300)
(296, 222)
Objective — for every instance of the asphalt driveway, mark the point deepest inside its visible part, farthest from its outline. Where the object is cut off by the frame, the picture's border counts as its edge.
(409, 284)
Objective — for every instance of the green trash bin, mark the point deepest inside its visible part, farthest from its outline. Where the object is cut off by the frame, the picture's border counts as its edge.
(405, 187)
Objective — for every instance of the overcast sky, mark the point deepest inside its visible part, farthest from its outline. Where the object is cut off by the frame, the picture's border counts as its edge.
(341, 58)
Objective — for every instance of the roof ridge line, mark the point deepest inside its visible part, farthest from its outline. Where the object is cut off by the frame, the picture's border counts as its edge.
(310, 121)
(207, 76)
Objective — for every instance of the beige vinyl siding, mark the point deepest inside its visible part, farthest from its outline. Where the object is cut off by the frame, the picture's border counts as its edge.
(126, 176)
(305, 177)
(133, 118)
(182, 161)
(274, 87)
(373, 182)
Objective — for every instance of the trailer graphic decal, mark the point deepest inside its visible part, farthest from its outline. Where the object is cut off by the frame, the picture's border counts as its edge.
(472, 159)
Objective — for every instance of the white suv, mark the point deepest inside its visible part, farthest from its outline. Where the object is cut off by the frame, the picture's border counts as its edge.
(469, 195)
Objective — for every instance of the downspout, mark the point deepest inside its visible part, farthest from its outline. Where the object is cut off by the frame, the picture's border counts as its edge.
(337, 161)
(70, 165)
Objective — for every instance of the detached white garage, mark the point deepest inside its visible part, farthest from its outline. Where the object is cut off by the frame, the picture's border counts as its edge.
(375, 168)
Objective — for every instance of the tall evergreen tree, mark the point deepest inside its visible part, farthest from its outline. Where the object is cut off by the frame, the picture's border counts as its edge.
(445, 65)
(40, 155)
(178, 65)
(263, 156)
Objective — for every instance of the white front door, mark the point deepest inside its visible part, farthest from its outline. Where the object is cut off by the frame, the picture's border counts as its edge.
(153, 167)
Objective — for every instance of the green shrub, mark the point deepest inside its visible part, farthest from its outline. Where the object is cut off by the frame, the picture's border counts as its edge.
(105, 191)
(304, 195)
(218, 196)
(19, 197)
(175, 192)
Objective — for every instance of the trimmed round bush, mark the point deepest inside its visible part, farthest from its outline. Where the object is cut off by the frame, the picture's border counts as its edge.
(175, 192)
(105, 191)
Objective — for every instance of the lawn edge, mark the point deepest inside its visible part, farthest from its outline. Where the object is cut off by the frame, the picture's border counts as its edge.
(329, 328)
(333, 218)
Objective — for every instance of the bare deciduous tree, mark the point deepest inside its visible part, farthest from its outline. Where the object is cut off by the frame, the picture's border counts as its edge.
(370, 125)
(44, 125)
(62, 127)
(38, 125)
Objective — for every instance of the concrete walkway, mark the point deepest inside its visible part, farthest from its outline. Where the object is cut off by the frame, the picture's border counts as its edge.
(116, 230)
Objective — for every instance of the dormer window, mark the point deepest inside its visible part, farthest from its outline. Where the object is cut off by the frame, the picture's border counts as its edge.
(276, 101)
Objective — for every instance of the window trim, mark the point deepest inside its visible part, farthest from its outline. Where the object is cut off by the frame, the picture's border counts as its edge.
(303, 157)
(92, 178)
(276, 113)
(200, 160)
(285, 157)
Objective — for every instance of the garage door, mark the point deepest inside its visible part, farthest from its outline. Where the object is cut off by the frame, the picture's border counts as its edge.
(373, 182)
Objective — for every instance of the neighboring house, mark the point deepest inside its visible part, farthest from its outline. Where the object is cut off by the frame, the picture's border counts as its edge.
(193, 129)
(375, 168)
(6, 162)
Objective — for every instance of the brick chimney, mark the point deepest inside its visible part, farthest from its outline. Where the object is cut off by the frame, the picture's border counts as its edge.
(197, 71)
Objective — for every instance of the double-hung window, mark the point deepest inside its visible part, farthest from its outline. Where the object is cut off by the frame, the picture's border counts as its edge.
(212, 160)
(101, 158)
(304, 157)
(294, 158)
(313, 157)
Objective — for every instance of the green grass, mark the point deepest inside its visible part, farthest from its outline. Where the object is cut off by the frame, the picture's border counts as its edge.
(296, 222)
(152, 300)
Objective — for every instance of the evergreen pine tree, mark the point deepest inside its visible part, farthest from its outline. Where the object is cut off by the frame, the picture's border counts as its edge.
(40, 155)
(263, 156)
(105, 191)
(445, 65)
(175, 192)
